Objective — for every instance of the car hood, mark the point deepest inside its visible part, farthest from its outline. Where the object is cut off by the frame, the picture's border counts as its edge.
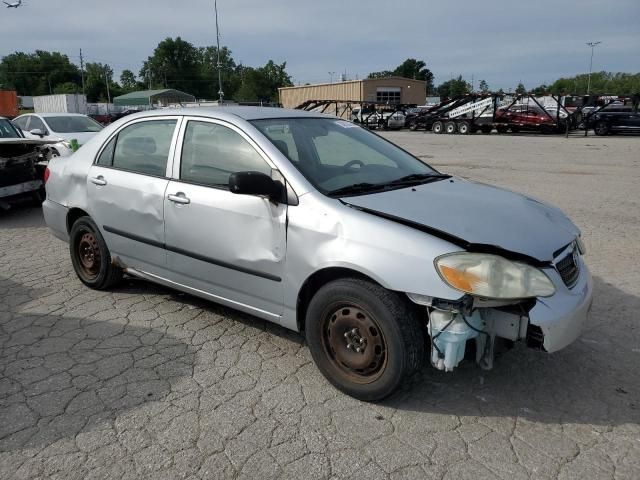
(476, 217)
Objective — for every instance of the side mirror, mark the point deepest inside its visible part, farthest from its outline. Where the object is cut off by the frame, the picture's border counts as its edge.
(37, 131)
(256, 183)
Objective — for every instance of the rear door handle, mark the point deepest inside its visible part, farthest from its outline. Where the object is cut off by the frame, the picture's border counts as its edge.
(178, 198)
(99, 180)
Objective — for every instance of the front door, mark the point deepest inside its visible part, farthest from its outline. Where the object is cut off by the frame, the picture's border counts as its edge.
(126, 188)
(230, 246)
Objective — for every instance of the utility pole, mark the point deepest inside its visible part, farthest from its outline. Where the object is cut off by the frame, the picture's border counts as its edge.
(82, 70)
(331, 74)
(106, 77)
(220, 92)
(592, 45)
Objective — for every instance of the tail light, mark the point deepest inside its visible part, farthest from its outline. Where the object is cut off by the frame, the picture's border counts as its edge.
(46, 174)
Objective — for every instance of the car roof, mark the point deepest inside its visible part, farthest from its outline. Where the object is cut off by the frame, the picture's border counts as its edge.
(60, 114)
(246, 113)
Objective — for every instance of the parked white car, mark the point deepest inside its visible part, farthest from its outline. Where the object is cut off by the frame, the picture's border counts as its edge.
(63, 127)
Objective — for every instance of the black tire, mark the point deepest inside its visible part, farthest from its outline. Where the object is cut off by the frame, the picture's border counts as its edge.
(601, 128)
(413, 126)
(450, 128)
(464, 128)
(486, 129)
(90, 256)
(502, 129)
(347, 312)
(437, 127)
(515, 129)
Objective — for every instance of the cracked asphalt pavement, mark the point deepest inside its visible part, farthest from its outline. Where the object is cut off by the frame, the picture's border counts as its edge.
(145, 382)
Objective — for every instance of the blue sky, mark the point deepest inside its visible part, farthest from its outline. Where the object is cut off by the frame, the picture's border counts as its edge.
(502, 42)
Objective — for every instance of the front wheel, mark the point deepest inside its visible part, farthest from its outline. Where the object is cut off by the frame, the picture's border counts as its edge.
(364, 339)
(90, 256)
(601, 128)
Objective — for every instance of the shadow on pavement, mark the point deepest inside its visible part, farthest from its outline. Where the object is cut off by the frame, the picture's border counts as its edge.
(60, 375)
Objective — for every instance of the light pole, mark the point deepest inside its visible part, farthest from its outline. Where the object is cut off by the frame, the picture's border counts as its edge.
(220, 92)
(592, 45)
(331, 74)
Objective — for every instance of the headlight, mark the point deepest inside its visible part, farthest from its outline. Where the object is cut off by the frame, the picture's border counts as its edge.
(581, 248)
(492, 276)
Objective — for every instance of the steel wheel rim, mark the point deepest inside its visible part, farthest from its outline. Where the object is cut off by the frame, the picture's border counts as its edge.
(89, 257)
(354, 343)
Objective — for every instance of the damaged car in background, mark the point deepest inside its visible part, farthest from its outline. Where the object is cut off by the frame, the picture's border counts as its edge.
(325, 228)
(22, 165)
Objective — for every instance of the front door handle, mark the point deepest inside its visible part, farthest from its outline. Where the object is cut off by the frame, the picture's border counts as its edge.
(99, 180)
(178, 198)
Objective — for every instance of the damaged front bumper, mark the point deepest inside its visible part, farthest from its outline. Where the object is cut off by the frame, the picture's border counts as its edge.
(547, 324)
(561, 317)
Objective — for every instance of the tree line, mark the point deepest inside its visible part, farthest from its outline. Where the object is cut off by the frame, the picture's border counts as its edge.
(178, 64)
(175, 63)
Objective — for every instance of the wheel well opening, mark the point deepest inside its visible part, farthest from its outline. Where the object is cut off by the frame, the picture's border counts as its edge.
(317, 281)
(73, 215)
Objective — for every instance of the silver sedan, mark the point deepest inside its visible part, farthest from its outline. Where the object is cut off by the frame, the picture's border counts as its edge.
(323, 227)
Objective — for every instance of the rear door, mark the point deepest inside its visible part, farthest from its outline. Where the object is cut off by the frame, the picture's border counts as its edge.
(227, 245)
(126, 188)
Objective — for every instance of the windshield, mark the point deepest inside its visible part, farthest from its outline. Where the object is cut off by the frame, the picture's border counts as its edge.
(334, 154)
(7, 130)
(73, 124)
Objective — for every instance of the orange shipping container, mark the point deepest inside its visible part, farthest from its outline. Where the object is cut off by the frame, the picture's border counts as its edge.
(8, 103)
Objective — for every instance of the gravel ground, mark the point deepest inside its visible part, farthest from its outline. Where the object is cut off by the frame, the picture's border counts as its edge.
(143, 382)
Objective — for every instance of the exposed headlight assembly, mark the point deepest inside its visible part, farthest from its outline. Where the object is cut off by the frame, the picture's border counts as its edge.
(492, 276)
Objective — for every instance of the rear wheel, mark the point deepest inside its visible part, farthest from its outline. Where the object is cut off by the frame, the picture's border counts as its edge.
(90, 256)
(413, 126)
(437, 127)
(364, 339)
(601, 128)
(515, 129)
(502, 129)
(450, 128)
(464, 128)
(486, 129)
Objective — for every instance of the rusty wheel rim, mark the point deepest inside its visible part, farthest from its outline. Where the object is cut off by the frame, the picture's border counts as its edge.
(89, 255)
(354, 344)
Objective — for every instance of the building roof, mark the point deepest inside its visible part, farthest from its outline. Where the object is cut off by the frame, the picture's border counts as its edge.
(147, 97)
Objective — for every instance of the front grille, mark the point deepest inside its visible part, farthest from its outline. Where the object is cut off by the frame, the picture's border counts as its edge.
(569, 269)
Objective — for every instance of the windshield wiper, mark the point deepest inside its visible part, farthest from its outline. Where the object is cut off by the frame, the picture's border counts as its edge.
(355, 189)
(418, 178)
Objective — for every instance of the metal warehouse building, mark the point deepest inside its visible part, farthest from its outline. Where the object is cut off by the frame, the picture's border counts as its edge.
(389, 90)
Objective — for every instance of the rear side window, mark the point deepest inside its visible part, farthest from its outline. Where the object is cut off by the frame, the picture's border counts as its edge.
(144, 147)
(211, 153)
(21, 122)
(106, 157)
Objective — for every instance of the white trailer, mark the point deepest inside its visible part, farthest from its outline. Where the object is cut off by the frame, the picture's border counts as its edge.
(63, 103)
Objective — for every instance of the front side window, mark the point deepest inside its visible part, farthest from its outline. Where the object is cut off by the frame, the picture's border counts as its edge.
(212, 152)
(334, 154)
(144, 147)
(73, 124)
(36, 123)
